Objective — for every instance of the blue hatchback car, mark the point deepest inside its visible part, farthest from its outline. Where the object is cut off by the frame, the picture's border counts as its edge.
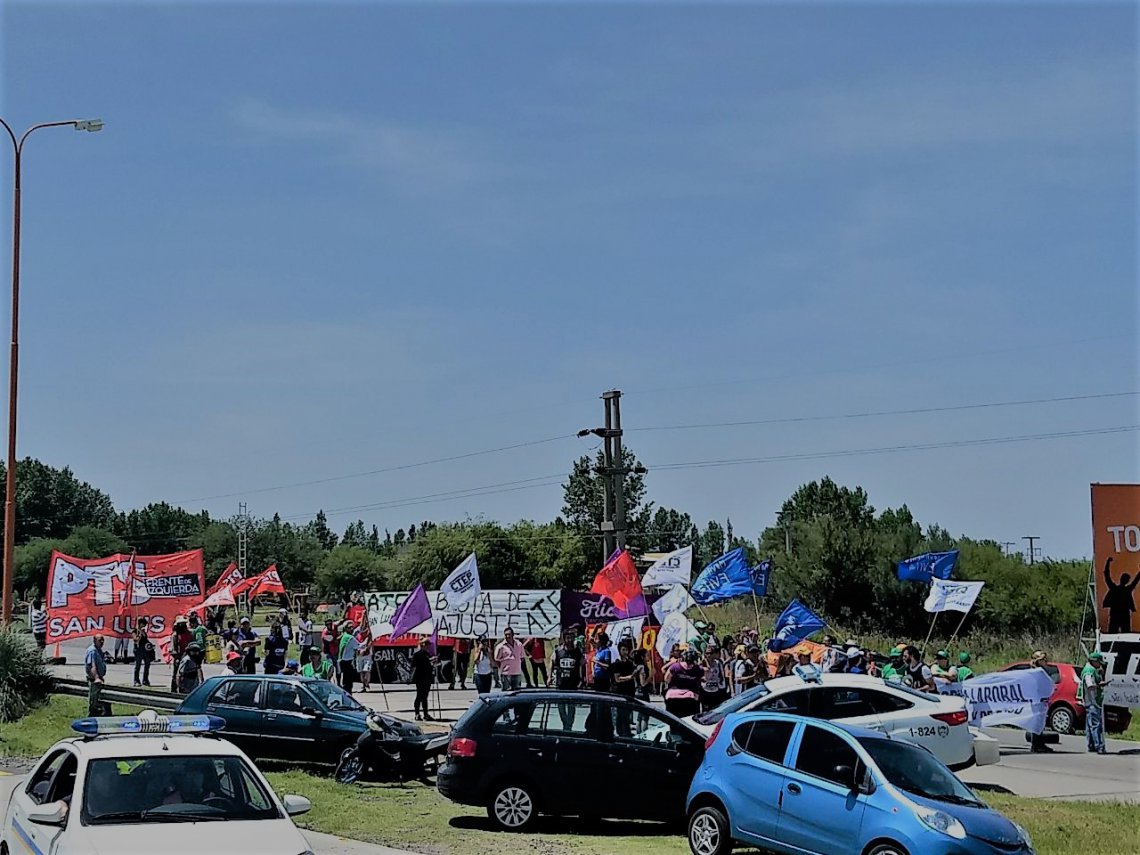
(795, 785)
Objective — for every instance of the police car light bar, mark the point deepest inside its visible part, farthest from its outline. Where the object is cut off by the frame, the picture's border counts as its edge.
(147, 721)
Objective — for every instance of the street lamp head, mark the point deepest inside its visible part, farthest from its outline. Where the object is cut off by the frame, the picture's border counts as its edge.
(89, 125)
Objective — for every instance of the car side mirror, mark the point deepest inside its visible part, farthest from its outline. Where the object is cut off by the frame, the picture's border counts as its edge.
(313, 711)
(53, 813)
(296, 805)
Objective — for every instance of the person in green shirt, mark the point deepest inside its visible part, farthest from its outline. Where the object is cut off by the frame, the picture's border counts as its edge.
(198, 631)
(965, 672)
(941, 669)
(1090, 692)
(894, 669)
(317, 666)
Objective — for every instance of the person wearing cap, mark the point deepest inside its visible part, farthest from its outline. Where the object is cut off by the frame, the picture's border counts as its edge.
(1090, 692)
(854, 663)
(941, 669)
(965, 672)
(233, 662)
(285, 624)
(1037, 743)
(292, 668)
(248, 641)
(894, 670)
(318, 665)
(197, 630)
(190, 669)
(804, 668)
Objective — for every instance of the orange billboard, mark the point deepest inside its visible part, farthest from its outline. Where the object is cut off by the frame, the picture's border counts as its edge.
(1116, 556)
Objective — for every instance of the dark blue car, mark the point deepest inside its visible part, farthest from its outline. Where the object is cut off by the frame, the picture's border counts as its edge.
(795, 785)
(290, 718)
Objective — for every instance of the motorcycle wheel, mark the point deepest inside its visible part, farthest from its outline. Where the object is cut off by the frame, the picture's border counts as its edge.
(349, 768)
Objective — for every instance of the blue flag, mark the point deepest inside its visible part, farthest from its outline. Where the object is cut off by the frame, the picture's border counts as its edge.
(760, 574)
(922, 568)
(794, 624)
(727, 577)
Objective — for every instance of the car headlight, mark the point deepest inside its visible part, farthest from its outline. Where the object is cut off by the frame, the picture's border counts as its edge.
(941, 821)
(1024, 835)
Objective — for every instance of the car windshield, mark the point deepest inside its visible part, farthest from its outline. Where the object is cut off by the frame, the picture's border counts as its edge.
(178, 788)
(332, 696)
(732, 705)
(917, 771)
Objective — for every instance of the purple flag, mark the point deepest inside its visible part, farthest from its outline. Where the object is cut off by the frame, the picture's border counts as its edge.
(433, 642)
(410, 613)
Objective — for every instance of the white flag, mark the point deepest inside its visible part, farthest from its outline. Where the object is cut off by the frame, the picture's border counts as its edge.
(675, 629)
(676, 568)
(620, 629)
(950, 596)
(463, 585)
(676, 599)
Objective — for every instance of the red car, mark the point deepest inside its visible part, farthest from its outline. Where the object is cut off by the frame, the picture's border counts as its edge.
(1066, 715)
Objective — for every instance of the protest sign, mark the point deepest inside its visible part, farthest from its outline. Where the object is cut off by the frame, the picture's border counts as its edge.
(529, 613)
(108, 595)
(1017, 698)
(1116, 556)
(1122, 668)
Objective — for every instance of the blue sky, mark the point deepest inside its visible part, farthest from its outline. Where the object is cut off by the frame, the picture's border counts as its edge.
(316, 240)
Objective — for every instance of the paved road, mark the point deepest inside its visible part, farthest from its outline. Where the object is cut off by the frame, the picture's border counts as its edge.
(323, 844)
(1068, 773)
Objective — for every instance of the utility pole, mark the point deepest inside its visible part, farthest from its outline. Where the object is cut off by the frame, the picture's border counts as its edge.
(1032, 552)
(1007, 546)
(607, 483)
(612, 472)
(613, 399)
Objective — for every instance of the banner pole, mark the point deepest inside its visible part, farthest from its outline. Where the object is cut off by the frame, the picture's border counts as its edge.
(955, 635)
(926, 643)
(756, 610)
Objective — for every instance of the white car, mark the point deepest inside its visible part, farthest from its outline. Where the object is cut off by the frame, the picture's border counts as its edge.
(119, 789)
(936, 722)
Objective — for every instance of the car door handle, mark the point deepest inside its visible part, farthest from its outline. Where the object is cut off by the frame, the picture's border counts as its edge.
(271, 716)
(794, 789)
(537, 752)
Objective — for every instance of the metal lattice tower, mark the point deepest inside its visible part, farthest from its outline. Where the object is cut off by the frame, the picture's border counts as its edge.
(243, 536)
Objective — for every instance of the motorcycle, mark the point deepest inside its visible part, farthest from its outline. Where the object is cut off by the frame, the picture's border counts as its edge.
(390, 749)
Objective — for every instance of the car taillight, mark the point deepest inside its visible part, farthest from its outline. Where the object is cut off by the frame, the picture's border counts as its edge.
(714, 735)
(952, 718)
(461, 746)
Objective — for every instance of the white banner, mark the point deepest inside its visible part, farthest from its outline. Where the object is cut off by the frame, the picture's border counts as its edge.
(1018, 698)
(675, 629)
(1122, 667)
(947, 595)
(629, 628)
(528, 613)
(462, 584)
(676, 568)
(676, 599)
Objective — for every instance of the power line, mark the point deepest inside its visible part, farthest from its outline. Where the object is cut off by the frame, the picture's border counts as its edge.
(877, 413)
(382, 470)
(859, 452)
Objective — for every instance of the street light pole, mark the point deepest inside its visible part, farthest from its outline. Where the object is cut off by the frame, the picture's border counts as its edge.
(90, 125)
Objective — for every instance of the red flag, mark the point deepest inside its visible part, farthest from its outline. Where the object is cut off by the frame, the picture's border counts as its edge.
(230, 576)
(619, 581)
(268, 582)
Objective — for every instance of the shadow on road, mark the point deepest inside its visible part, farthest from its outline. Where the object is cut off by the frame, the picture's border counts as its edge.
(576, 825)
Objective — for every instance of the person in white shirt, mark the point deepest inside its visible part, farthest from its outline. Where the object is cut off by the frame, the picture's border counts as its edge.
(38, 621)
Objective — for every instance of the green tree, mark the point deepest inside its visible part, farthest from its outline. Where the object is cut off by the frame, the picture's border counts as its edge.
(319, 528)
(160, 528)
(33, 559)
(51, 502)
(350, 568)
(583, 502)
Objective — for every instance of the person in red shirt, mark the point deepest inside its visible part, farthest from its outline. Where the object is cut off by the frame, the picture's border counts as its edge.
(461, 653)
(536, 652)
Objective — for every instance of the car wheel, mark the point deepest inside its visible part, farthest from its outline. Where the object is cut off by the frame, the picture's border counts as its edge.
(888, 849)
(512, 807)
(1062, 719)
(709, 833)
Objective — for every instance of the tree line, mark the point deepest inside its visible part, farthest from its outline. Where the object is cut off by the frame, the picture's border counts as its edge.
(828, 545)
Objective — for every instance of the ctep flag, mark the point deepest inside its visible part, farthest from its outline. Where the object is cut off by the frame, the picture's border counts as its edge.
(726, 577)
(929, 565)
(676, 599)
(948, 596)
(462, 585)
(410, 613)
(619, 581)
(794, 624)
(676, 568)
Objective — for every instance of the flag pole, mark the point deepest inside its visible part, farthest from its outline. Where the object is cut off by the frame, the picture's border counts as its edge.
(756, 609)
(959, 627)
(926, 643)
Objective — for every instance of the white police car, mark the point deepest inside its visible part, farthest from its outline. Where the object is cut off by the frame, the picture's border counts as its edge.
(936, 722)
(118, 789)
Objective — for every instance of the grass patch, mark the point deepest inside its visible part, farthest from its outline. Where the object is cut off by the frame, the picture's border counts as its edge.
(413, 816)
(38, 731)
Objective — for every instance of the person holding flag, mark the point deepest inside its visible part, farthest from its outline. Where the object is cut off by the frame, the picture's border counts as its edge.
(423, 672)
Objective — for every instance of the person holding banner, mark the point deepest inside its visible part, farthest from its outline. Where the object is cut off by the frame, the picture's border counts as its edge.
(1037, 743)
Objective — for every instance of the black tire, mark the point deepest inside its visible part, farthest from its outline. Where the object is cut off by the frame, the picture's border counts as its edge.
(350, 767)
(513, 806)
(709, 832)
(888, 849)
(1062, 719)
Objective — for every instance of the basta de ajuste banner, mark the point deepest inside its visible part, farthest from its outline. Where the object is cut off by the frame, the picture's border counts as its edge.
(107, 596)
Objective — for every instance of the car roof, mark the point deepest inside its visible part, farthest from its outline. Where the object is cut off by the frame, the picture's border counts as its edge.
(261, 677)
(148, 745)
(850, 729)
(783, 684)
